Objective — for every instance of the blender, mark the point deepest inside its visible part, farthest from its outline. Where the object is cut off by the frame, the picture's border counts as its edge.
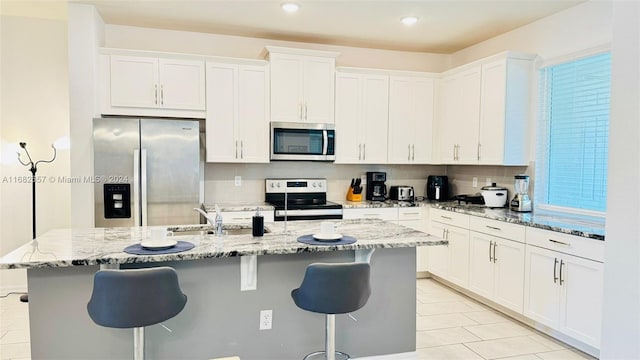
(521, 201)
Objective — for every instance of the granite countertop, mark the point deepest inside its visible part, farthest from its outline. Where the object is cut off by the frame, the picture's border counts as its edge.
(366, 204)
(249, 206)
(80, 247)
(580, 225)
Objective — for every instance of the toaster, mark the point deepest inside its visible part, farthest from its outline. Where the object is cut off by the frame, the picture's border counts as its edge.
(401, 193)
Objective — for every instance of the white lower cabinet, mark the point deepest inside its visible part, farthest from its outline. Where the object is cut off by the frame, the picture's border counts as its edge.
(417, 218)
(244, 217)
(496, 269)
(450, 262)
(564, 292)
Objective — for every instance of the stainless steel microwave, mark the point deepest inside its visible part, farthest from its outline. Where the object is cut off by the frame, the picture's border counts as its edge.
(302, 141)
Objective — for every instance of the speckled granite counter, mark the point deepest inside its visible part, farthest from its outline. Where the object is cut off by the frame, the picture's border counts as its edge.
(366, 204)
(250, 206)
(79, 247)
(579, 225)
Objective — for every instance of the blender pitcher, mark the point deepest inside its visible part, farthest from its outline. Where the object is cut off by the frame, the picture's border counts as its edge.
(521, 201)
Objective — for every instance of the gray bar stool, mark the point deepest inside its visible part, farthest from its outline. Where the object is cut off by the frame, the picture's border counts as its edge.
(134, 299)
(330, 289)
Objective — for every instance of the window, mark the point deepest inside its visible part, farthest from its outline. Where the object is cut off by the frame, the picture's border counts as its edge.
(572, 147)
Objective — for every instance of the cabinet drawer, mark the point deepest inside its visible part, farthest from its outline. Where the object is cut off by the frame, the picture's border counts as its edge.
(565, 243)
(243, 217)
(389, 214)
(413, 213)
(450, 217)
(497, 228)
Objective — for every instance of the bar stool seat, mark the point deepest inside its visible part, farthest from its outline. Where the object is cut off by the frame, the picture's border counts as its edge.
(333, 288)
(134, 299)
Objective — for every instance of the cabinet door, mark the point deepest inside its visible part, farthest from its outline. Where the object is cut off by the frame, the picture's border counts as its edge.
(458, 255)
(182, 84)
(468, 89)
(222, 88)
(492, 116)
(286, 87)
(447, 126)
(318, 90)
(253, 114)
(375, 118)
(423, 98)
(134, 81)
(581, 300)
(541, 291)
(438, 256)
(508, 273)
(401, 126)
(481, 266)
(348, 119)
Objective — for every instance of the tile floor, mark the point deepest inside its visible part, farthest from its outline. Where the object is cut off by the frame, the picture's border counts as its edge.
(449, 326)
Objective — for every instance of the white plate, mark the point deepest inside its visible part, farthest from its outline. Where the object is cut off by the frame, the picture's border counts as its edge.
(159, 245)
(326, 237)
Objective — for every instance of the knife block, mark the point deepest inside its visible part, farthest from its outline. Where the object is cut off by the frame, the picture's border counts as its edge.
(353, 197)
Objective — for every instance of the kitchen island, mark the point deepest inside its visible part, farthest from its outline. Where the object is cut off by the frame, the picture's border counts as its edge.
(221, 315)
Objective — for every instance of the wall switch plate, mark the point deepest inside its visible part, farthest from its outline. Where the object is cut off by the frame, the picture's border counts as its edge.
(238, 180)
(488, 182)
(266, 316)
(475, 182)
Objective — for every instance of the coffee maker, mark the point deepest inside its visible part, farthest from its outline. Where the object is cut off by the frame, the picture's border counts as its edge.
(521, 201)
(376, 188)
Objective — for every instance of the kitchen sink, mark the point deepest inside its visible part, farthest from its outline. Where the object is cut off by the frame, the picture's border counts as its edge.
(228, 230)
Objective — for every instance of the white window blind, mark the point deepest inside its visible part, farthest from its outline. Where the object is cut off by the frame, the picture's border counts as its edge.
(572, 147)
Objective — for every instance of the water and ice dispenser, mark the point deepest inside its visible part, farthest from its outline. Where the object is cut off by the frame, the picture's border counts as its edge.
(117, 201)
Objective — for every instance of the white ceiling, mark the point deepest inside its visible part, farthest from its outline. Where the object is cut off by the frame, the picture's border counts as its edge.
(445, 26)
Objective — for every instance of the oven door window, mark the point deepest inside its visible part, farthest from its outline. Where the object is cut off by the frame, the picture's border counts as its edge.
(298, 141)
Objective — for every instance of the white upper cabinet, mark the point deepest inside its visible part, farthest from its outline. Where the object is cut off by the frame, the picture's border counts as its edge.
(484, 111)
(411, 108)
(136, 85)
(362, 106)
(237, 125)
(302, 85)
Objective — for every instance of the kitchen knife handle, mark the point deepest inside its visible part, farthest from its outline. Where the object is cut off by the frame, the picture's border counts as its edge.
(561, 279)
(555, 265)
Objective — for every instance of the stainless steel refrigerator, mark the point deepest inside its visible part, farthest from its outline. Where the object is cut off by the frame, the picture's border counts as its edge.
(146, 171)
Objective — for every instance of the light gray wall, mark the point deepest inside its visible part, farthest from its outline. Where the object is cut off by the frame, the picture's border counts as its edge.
(621, 305)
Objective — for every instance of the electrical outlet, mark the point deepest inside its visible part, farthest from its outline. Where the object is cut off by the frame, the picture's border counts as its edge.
(488, 182)
(363, 179)
(238, 180)
(266, 316)
(475, 182)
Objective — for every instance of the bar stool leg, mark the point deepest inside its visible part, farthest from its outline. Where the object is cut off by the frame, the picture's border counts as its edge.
(330, 337)
(138, 343)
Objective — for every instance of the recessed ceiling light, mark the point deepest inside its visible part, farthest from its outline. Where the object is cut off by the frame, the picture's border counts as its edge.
(409, 20)
(290, 7)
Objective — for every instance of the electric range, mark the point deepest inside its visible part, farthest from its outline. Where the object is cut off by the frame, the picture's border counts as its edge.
(305, 199)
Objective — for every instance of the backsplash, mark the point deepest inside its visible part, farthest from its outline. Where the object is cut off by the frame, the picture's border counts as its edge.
(461, 177)
(219, 178)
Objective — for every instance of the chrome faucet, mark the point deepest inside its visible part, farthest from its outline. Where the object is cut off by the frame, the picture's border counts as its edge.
(215, 223)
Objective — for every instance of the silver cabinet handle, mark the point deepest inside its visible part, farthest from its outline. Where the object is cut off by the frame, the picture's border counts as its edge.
(446, 217)
(305, 111)
(561, 279)
(241, 149)
(364, 151)
(161, 94)
(409, 149)
(490, 246)
(493, 228)
(413, 152)
(359, 151)
(495, 245)
(555, 265)
(559, 242)
(443, 234)
(300, 113)
(236, 149)
(454, 151)
(156, 94)
(479, 151)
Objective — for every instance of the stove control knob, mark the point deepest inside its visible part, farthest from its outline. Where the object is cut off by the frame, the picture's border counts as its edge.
(273, 185)
(319, 184)
(313, 184)
(278, 184)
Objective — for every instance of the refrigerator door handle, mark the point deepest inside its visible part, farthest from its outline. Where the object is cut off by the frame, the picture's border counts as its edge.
(143, 185)
(136, 187)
